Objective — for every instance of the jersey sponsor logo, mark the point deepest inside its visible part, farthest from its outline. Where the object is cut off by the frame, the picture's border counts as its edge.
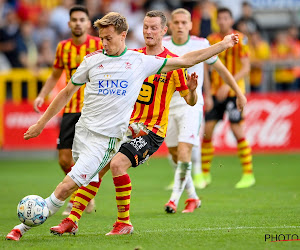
(112, 87)
(83, 176)
(146, 93)
(138, 143)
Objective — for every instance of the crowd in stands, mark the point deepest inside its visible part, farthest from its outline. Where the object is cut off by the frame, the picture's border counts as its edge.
(30, 30)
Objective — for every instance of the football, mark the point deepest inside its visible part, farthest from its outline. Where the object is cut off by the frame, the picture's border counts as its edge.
(32, 210)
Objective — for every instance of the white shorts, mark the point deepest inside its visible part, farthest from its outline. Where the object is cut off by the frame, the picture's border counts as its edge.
(91, 152)
(184, 126)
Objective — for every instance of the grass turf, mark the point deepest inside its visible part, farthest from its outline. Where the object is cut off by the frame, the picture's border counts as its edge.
(228, 218)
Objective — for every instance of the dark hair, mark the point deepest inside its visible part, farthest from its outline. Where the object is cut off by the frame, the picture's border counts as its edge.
(157, 13)
(79, 8)
(224, 10)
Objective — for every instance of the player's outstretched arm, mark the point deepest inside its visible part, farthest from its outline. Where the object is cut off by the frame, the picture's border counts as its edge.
(48, 86)
(56, 105)
(229, 79)
(192, 83)
(190, 59)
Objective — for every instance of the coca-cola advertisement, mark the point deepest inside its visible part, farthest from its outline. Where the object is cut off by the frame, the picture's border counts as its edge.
(17, 119)
(272, 124)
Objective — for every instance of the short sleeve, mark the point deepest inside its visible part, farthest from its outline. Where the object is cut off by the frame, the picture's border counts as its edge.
(244, 49)
(153, 64)
(58, 58)
(80, 77)
(179, 78)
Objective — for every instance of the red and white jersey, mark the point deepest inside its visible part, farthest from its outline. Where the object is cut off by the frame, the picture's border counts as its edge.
(113, 84)
(193, 43)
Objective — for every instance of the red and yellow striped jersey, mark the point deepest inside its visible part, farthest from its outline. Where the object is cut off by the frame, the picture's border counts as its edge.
(231, 58)
(152, 105)
(68, 57)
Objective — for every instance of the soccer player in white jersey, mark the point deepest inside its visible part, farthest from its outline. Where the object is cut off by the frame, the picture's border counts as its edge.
(113, 78)
(184, 120)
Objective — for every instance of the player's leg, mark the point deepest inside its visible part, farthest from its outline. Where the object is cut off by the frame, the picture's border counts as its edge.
(244, 150)
(54, 202)
(198, 179)
(207, 150)
(188, 136)
(245, 155)
(64, 146)
(131, 154)
(92, 153)
(171, 141)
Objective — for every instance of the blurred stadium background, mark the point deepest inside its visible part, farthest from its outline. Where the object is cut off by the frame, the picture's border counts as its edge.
(29, 32)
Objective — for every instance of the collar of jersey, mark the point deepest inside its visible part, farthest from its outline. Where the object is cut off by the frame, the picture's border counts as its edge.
(104, 53)
(181, 44)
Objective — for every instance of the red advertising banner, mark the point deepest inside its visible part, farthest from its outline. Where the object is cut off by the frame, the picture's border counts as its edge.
(17, 118)
(272, 124)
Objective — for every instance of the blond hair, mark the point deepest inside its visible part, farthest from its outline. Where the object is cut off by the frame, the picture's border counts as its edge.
(181, 11)
(112, 19)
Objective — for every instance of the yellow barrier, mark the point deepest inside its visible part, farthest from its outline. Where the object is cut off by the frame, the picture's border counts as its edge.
(16, 77)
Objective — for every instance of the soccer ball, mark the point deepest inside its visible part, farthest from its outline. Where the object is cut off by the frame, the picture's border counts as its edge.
(33, 210)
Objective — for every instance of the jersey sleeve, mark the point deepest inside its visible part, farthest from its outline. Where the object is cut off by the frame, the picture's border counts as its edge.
(179, 78)
(58, 58)
(244, 49)
(80, 77)
(212, 59)
(153, 64)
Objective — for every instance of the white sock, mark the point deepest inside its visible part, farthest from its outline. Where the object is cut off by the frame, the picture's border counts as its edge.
(196, 160)
(23, 228)
(190, 188)
(54, 204)
(183, 170)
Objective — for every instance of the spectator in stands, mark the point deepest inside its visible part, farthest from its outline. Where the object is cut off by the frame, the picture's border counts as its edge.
(43, 31)
(293, 38)
(60, 17)
(259, 54)
(9, 34)
(283, 55)
(28, 52)
(5, 7)
(248, 18)
(204, 18)
(29, 10)
(46, 54)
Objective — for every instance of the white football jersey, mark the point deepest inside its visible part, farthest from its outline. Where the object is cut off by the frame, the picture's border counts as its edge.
(113, 84)
(193, 43)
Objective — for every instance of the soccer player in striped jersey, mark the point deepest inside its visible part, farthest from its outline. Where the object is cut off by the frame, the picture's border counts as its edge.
(236, 60)
(184, 120)
(69, 54)
(113, 77)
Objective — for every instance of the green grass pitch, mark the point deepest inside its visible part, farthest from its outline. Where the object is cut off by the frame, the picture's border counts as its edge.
(228, 218)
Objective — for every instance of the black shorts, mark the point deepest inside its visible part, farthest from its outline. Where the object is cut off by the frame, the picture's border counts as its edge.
(138, 150)
(67, 130)
(229, 105)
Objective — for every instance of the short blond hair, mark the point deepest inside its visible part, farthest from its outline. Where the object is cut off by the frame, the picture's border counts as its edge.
(112, 19)
(181, 11)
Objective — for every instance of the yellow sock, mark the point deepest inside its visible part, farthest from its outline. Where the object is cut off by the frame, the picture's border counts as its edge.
(207, 154)
(245, 154)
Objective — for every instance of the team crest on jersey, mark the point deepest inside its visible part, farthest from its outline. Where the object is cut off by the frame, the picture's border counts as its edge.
(100, 67)
(128, 65)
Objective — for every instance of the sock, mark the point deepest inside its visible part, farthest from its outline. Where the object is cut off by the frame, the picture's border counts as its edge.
(53, 204)
(207, 153)
(83, 197)
(245, 154)
(72, 197)
(190, 188)
(23, 228)
(123, 191)
(196, 160)
(182, 172)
